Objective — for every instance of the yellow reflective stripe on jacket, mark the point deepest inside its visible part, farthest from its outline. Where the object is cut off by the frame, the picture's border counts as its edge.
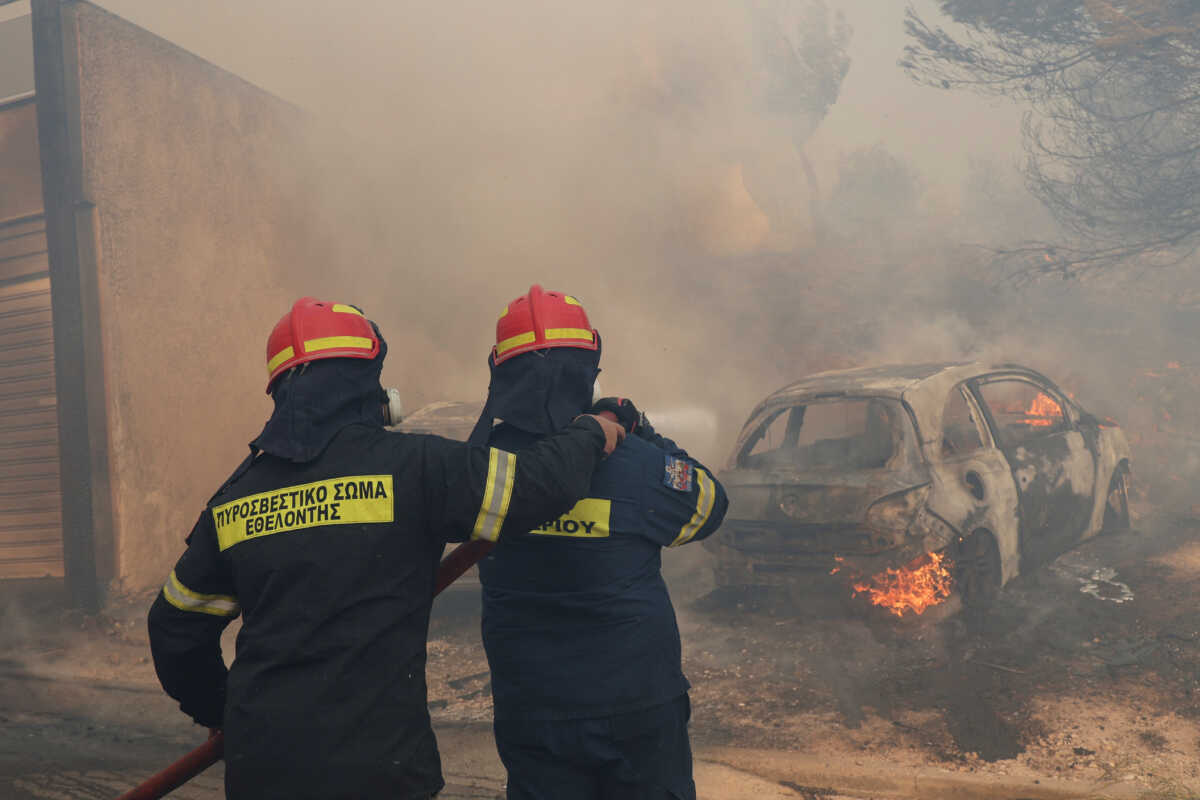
(349, 500)
(497, 492)
(337, 342)
(704, 506)
(280, 357)
(183, 598)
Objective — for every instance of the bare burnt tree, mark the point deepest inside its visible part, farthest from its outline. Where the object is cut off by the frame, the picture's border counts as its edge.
(803, 49)
(1113, 135)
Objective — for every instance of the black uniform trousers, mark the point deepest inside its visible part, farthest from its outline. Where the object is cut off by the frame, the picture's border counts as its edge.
(638, 755)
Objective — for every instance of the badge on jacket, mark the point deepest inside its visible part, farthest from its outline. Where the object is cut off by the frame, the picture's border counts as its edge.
(678, 475)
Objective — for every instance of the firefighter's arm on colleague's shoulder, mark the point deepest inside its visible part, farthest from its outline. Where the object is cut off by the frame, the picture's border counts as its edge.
(481, 492)
(635, 422)
(685, 503)
(186, 620)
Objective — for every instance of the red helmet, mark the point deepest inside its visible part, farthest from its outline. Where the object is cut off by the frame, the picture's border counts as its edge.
(314, 329)
(542, 319)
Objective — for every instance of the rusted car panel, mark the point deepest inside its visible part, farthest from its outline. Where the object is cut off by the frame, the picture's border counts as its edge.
(991, 464)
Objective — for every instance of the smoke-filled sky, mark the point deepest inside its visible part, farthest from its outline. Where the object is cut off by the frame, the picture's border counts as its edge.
(624, 152)
(314, 53)
(619, 150)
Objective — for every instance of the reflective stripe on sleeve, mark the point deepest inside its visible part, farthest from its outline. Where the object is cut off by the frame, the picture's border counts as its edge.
(704, 506)
(183, 598)
(502, 470)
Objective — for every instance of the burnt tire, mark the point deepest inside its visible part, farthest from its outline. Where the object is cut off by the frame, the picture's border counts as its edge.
(977, 573)
(1116, 504)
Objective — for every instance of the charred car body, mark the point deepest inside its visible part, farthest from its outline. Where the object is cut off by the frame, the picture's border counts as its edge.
(973, 471)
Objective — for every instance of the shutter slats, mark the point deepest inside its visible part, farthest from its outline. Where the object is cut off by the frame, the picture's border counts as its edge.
(30, 497)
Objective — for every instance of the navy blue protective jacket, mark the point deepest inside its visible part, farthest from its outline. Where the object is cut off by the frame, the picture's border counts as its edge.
(331, 563)
(577, 621)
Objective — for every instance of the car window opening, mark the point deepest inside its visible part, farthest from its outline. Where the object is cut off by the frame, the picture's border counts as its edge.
(1022, 411)
(842, 434)
(960, 428)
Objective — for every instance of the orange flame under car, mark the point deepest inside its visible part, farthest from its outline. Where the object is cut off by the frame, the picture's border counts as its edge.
(922, 584)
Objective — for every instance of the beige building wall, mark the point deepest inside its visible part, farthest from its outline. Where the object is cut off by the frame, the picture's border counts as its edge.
(201, 213)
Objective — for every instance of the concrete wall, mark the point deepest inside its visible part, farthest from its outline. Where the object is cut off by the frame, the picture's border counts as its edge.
(202, 214)
(20, 171)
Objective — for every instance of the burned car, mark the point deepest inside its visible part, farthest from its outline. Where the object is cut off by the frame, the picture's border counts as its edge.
(450, 418)
(908, 484)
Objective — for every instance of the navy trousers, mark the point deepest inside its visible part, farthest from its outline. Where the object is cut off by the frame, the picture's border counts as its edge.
(639, 755)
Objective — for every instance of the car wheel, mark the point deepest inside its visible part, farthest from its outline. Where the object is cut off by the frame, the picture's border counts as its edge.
(977, 574)
(1116, 507)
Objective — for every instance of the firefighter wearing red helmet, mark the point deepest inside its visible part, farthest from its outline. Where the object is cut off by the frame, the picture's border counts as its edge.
(326, 540)
(588, 692)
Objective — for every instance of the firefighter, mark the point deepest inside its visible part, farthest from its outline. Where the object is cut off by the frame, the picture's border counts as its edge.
(589, 696)
(326, 540)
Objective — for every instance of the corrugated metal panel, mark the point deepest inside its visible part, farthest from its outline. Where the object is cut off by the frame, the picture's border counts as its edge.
(30, 499)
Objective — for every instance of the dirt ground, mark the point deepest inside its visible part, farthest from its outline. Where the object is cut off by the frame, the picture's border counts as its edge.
(1082, 682)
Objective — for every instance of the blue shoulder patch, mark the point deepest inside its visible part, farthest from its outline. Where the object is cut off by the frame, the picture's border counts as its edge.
(678, 474)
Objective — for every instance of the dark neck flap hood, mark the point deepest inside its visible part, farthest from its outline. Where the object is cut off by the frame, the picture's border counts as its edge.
(539, 392)
(316, 400)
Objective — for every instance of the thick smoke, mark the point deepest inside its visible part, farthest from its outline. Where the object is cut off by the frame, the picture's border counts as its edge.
(641, 157)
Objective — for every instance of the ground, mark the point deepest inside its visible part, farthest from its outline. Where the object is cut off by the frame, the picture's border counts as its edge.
(1083, 681)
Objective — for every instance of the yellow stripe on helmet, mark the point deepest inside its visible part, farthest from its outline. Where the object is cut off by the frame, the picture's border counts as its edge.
(514, 341)
(280, 357)
(344, 309)
(337, 343)
(553, 334)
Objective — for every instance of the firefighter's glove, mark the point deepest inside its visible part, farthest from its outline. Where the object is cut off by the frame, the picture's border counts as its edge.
(627, 414)
(614, 434)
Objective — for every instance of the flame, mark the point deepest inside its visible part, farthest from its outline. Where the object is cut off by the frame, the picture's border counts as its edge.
(925, 582)
(1043, 411)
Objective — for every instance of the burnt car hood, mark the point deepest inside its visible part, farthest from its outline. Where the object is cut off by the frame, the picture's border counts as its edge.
(813, 498)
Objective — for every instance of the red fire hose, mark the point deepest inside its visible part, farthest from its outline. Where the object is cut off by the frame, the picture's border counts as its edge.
(460, 559)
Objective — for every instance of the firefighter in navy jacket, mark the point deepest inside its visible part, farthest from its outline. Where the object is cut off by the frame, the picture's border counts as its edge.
(590, 699)
(326, 540)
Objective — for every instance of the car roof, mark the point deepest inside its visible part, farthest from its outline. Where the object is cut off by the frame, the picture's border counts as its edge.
(891, 380)
(922, 386)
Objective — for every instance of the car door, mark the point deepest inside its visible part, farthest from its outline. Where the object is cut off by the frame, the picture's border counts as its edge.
(1052, 465)
(973, 485)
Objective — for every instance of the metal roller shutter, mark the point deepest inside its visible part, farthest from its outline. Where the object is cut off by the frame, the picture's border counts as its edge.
(30, 499)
